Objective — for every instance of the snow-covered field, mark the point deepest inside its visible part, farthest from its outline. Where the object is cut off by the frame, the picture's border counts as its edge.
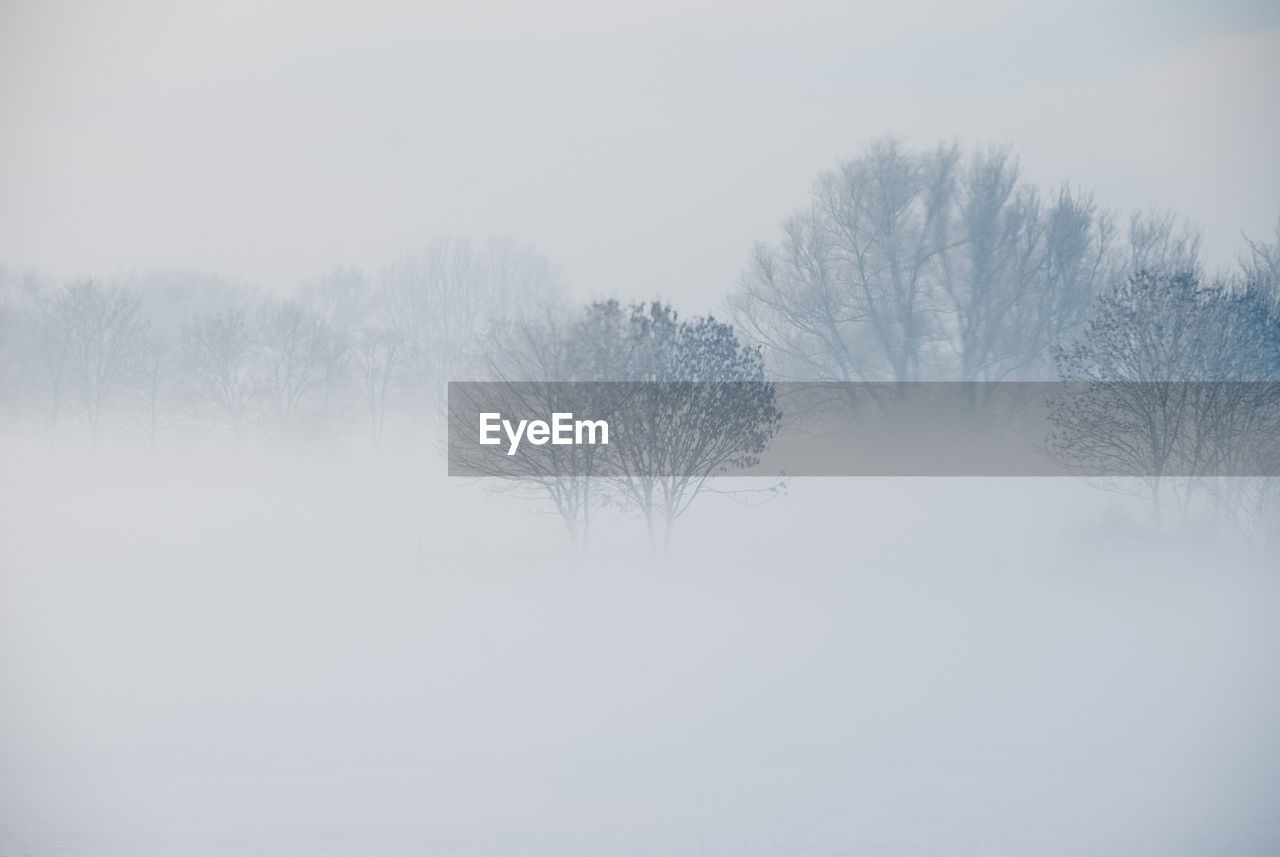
(245, 653)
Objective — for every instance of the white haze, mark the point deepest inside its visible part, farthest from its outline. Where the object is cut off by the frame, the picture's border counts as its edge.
(644, 151)
(326, 649)
(269, 652)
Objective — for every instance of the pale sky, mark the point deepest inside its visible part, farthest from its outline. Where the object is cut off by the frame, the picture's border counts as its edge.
(643, 148)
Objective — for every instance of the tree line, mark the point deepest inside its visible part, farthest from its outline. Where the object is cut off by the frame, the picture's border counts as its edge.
(903, 265)
(181, 353)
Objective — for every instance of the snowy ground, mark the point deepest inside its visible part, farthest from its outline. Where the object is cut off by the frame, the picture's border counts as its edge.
(236, 654)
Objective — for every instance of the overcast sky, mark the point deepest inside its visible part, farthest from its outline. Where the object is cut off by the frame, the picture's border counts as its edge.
(643, 149)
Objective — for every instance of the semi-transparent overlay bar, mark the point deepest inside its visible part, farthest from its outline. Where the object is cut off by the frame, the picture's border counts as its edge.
(553, 430)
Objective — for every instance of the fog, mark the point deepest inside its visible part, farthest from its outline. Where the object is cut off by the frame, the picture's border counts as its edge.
(643, 150)
(245, 248)
(284, 653)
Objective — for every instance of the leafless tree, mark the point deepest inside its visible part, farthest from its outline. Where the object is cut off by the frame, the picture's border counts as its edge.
(48, 362)
(909, 266)
(1260, 266)
(365, 346)
(548, 364)
(795, 302)
(376, 353)
(687, 400)
(156, 403)
(95, 338)
(218, 353)
(445, 299)
(1018, 276)
(351, 308)
(297, 355)
(1162, 243)
(704, 411)
(1170, 377)
(18, 327)
(886, 216)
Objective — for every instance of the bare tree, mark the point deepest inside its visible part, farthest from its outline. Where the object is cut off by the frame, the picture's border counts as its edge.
(1162, 243)
(96, 335)
(297, 356)
(156, 401)
(886, 215)
(1168, 374)
(349, 305)
(551, 361)
(445, 299)
(706, 409)
(850, 293)
(688, 401)
(1252, 504)
(19, 326)
(909, 266)
(218, 352)
(794, 301)
(1018, 277)
(1260, 267)
(376, 353)
(49, 361)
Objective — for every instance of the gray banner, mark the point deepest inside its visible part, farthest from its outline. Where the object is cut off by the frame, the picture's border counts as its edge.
(697, 429)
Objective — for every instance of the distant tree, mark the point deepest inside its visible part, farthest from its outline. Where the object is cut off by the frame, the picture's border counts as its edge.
(910, 266)
(48, 363)
(1159, 374)
(16, 327)
(884, 215)
(297, 355)
(794, 303)
(1260, 266)
(218, 353)
(707, 409)
(445, 300)
(686, 400)
(171, 298)
(376, 353)
(156, 403)
(349, 305)
(100, 338)
(553, 361)
(1161, 243)
(1018, 276)
(1252, 505)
